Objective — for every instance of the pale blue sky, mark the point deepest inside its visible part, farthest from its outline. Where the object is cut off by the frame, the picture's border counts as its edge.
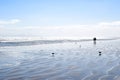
(59, 12)
(41, 17)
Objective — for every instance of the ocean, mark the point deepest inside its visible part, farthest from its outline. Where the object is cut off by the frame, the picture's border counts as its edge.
(63, 59)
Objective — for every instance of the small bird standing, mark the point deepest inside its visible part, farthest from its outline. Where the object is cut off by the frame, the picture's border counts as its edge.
(53, 54)
(100, 53)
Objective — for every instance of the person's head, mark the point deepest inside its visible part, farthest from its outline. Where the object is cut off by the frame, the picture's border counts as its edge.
(94, 38)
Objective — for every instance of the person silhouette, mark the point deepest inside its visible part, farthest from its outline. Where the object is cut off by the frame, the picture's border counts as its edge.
(94, 40)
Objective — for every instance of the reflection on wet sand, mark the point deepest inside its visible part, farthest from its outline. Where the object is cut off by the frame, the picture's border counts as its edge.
(64, 61)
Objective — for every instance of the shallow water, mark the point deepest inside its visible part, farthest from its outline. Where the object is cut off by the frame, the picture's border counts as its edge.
(71, 61)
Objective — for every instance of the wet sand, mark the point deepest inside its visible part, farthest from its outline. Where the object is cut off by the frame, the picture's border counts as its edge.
(70, 61)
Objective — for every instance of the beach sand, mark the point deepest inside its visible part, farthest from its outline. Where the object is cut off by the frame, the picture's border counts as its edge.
(70, 61)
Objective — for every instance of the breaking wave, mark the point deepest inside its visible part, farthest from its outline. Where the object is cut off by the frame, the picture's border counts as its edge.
(17, 42)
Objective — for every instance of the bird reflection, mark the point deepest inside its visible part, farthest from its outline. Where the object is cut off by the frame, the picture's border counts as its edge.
(53, 54)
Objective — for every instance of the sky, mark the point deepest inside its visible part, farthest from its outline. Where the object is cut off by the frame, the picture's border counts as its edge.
(60, 18)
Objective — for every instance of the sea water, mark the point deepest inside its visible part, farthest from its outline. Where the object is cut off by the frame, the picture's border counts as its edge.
(78, 60)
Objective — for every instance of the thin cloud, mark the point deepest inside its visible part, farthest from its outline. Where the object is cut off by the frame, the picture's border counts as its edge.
(110, 24)
(99, 30)
(13, 21)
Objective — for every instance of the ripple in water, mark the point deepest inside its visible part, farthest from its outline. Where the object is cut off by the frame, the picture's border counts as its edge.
(70, 62)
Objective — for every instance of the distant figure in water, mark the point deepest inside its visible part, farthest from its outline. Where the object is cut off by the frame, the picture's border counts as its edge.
(94, 40)
(100, 53)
